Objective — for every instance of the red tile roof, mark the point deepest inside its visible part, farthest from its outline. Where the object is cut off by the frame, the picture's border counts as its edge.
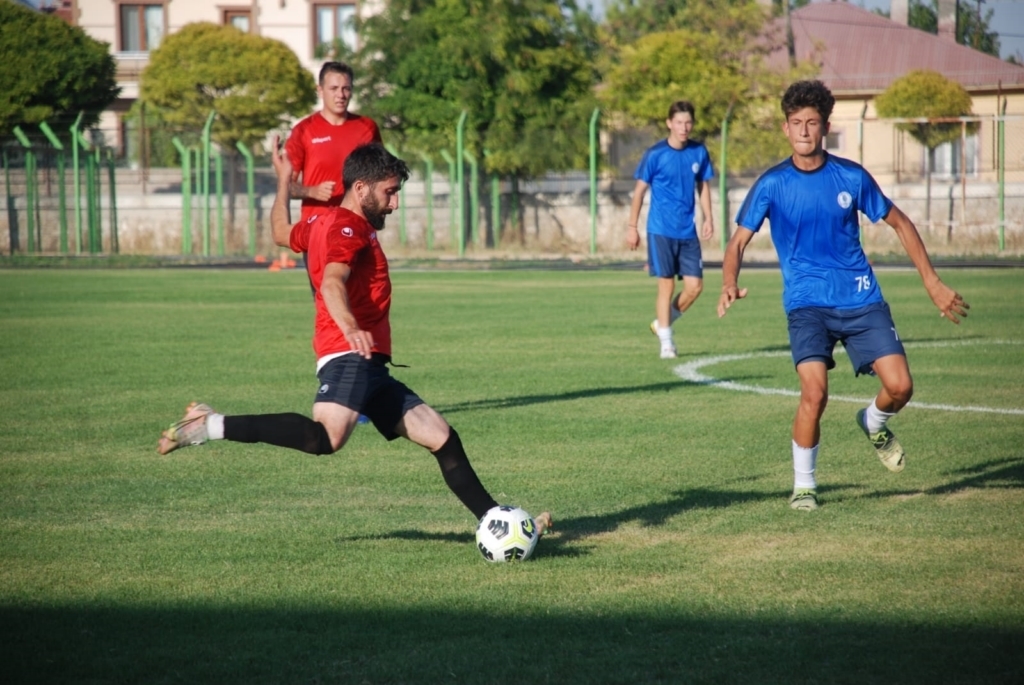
(860, 52)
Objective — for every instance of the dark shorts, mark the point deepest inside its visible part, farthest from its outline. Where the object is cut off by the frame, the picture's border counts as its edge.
(671, 257)
(366, 386)
(868, 333)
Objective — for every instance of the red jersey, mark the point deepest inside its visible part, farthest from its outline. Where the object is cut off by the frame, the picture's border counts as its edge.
(317, 149)
(339, 235)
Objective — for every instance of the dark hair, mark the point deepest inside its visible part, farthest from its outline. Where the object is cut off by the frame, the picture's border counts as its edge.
(372, 163)
(808, 94)
(335, 68)
(682, 106)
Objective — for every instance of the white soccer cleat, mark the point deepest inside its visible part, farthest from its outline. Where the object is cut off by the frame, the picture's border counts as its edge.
(190, 430)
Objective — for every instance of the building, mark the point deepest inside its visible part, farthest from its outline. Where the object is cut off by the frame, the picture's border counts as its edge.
(861, 53)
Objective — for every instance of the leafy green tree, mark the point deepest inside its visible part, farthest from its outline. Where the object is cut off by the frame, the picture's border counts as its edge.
(522, 70)
(255, 84)
(51, 71)
(923, 94)
(717, 62)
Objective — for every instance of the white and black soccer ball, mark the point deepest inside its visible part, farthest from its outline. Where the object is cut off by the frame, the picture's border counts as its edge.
(506, 533)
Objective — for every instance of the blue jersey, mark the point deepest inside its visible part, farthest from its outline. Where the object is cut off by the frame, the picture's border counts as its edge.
(813, 216)
(673, 175)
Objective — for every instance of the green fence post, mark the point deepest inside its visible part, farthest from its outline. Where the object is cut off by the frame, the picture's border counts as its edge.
(401, 202)
(12, 213)
(61, 191)
(30, 186)
(77, 183)
(428, 198)
(219, 187)
(723, 188)
(89, 239)
(593, 180)
(96, 236)
(115, 243)
(474, 196)
(250, 178)
(495, 205)
(203, 169)
(460, 129)
(186, 195)
(451, 195)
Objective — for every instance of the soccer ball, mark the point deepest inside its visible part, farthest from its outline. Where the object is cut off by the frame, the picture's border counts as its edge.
(506, 533)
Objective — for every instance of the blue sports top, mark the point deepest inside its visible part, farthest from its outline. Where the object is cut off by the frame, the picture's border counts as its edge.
(672, 175)
(813, 216)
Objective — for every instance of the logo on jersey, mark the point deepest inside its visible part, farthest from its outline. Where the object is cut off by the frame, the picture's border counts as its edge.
(695, 167)
(373, 237)
(325, 139)
(312, 218)
(845, 200)
(347, 232)
(324, 388)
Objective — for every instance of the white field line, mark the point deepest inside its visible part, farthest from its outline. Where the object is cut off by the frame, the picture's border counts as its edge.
(691, 372)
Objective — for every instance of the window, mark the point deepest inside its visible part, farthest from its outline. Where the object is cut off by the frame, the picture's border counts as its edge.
(241, 19)
(142, 27)
(334, 23)
(952, 158)
(834, 141)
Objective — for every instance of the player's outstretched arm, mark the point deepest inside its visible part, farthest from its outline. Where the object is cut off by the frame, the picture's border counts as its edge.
(951, 305)
(731, 269)
(280, 216)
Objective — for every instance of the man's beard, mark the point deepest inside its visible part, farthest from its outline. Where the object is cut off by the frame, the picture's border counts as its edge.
(375, 213)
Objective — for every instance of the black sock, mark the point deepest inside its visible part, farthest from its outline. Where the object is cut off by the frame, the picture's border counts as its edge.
(460, 476)
(284, 430)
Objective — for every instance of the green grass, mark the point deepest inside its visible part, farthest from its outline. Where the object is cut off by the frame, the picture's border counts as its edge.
(676, 557)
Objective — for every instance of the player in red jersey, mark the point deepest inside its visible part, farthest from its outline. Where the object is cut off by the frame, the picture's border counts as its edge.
(352, 337)
(319, 144)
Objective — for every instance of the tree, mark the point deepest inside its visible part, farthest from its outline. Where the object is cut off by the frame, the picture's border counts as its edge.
(717, 62)
(972, 27)
(51, 71)
(255, 85)
(522, 70)
(924, 94)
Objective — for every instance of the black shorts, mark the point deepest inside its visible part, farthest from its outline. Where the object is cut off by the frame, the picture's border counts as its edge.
(366, 386)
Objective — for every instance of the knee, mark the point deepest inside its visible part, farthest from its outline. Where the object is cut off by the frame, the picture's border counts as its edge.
(814, 400)
(695, 288)
(901, 392)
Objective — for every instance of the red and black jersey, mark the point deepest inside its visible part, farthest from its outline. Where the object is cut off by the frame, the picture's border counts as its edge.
(338, 235)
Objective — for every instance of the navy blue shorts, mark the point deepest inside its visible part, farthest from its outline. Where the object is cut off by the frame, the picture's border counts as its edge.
(671, 257)
(366, 386)
(868, 333)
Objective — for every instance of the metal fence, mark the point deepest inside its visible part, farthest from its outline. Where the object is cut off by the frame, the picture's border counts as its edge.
(100, 196)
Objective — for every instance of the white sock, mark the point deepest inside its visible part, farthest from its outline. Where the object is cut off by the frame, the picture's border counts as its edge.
(875, 419)
(214, 426)
(665, 336)
(804, 461)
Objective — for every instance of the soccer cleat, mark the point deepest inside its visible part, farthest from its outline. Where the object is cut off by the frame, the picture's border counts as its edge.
(190, 430)
(668, 352)
(889, 449)
(543, 522)
(804, 499)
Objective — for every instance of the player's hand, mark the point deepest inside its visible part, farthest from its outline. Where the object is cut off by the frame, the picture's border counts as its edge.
(951, 305)
(282, 165)
(322, 192)
(632, 238)
(707, 230)
(729, 295)
(360, 341)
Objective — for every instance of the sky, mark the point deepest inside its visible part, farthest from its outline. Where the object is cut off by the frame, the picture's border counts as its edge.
(1007, 19)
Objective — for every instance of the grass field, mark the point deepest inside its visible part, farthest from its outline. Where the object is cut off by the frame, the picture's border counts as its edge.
(675, 560)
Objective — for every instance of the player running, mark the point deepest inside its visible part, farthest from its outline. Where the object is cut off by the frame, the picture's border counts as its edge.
(829, 290)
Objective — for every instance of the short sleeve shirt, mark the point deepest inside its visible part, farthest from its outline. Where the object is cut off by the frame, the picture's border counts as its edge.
(338, 235)
(318, 149)
(673, 176)
(816, 232)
